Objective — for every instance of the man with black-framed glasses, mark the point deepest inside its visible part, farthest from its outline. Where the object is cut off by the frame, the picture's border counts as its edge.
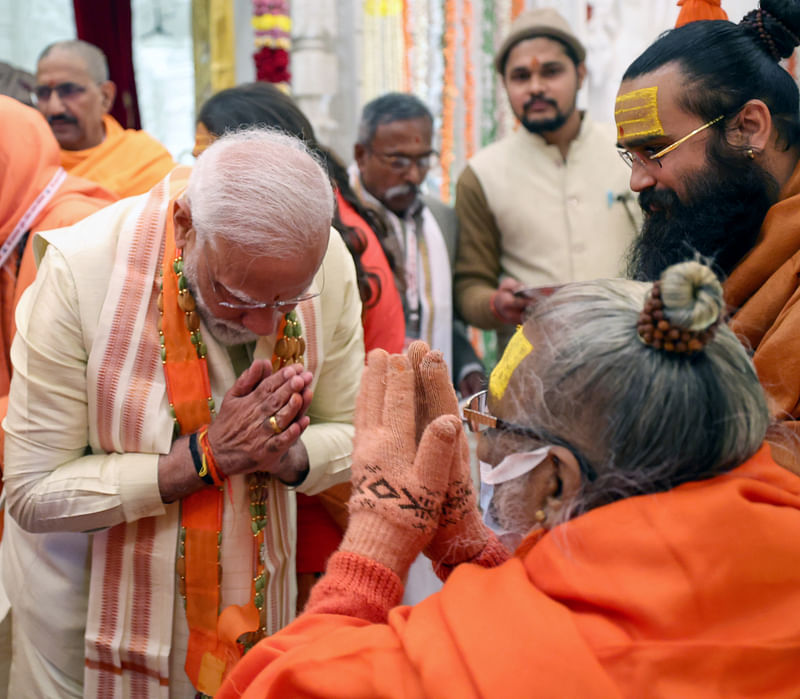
(708, 121)
(74, 93)
(393, 155)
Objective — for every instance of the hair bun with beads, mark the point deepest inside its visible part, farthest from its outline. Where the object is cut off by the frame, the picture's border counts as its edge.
(775, 26)
(683, 309)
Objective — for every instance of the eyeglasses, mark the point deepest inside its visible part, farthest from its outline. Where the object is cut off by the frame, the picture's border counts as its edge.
(478, 418)
(65, 91)
(237, 301)
(631, 157)
(401, 163)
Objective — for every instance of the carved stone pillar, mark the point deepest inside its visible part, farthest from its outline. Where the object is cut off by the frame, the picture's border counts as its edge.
(315, 66)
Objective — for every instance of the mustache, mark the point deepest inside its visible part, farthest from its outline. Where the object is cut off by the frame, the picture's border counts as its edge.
(61, 119)
(664, 199)
(533, 100)
(401, 190)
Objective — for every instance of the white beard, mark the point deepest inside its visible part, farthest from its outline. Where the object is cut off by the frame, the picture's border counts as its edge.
(225, 332)
(511, 508)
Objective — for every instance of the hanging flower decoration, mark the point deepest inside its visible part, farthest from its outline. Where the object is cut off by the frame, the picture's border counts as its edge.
(384, 63)
(408, 48)
(273, 25)
(469, 79)
(488, 117)
(449, 97)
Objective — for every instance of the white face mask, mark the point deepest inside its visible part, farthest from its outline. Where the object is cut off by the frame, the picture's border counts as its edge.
(513, 466)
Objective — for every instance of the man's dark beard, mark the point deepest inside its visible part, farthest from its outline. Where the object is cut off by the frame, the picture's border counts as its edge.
(721, 221)
(549, 125)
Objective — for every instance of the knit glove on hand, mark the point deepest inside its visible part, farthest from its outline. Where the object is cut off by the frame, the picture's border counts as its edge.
(461, 536)
(397, 488)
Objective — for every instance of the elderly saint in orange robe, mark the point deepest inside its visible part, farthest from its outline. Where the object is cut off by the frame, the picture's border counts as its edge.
(74, 93)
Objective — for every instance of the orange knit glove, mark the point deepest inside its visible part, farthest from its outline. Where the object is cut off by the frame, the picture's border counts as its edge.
(461, 535)
(397, 489)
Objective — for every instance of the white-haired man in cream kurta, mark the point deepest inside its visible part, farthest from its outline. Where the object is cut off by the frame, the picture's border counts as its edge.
(108, 510)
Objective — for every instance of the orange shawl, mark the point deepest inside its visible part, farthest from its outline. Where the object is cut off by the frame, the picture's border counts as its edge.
(691, 593)
(763, 291)
(29, 157)
(127, 162)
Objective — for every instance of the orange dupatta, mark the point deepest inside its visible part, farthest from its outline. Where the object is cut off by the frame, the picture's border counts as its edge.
(212, 649)
(127, 162)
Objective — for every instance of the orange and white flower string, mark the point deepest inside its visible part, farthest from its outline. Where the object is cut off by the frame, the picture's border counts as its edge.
(382, 48)
(506, 119)
(449, 96)
(467, 19)
(272, 25)
(408, 48)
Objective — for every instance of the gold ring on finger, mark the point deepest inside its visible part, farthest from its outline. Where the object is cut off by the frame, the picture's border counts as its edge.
(273, 423)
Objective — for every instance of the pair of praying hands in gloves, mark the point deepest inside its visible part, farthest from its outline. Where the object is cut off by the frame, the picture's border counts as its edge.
(411, 486)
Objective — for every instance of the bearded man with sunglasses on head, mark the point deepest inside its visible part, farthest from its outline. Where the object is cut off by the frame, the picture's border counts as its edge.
(75, 95)
(183, 361)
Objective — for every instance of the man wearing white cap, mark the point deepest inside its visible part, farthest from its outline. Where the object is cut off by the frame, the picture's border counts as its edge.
(549, 203)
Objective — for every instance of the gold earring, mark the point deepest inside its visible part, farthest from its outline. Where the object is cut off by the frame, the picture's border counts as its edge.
(750, 154)
(540, 516)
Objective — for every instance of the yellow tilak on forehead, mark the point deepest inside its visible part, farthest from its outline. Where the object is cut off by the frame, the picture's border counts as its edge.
(636, 114)
(518, 348)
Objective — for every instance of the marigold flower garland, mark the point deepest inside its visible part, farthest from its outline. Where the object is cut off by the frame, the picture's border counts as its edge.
(430, 48)
(408, 48)
(273, 25)
(449, 95)
(469, 79)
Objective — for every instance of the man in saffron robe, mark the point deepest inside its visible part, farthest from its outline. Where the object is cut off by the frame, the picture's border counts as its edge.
(135, 331)
(709, 122)
(75, 95)
(35, 195)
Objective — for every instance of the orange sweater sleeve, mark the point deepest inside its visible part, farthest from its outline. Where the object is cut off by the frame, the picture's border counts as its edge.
(356, 586)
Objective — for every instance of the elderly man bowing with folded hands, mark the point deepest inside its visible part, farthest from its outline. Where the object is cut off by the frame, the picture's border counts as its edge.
(151, 533)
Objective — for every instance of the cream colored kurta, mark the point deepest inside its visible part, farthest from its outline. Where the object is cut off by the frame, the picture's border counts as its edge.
(60, 492)
(528, 213)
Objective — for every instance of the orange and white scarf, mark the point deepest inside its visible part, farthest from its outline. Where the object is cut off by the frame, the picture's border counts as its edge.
(130, 633)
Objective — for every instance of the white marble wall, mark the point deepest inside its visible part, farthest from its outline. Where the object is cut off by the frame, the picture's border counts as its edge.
(162, 54)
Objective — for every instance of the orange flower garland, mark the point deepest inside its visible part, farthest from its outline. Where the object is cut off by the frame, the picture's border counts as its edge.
(408, 48)
(449, 94)
(469, 80)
